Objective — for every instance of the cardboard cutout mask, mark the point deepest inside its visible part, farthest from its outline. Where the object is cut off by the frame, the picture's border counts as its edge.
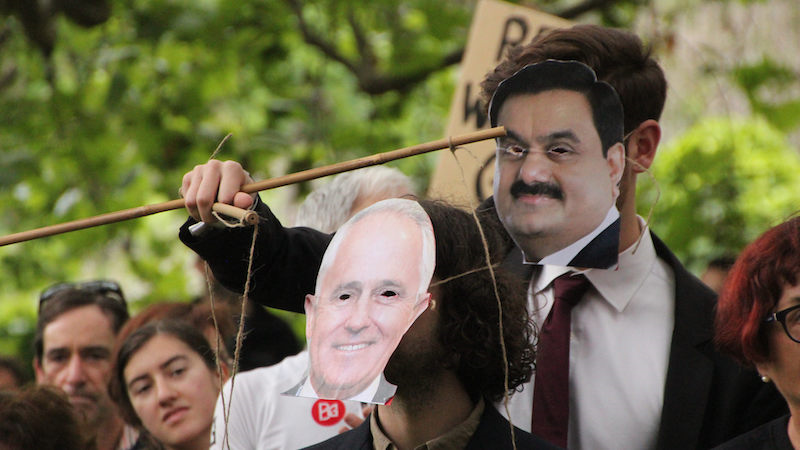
(557, 172)
(371, 287)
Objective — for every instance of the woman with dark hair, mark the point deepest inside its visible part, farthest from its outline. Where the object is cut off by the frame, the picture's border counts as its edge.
(758, 322)
(166, 382)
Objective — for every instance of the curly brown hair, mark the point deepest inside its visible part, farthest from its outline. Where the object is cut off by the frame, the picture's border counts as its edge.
(469, 316)
(39, 417)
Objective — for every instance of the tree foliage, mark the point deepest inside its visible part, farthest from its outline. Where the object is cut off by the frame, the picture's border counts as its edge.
(722, 184)
(107, 103)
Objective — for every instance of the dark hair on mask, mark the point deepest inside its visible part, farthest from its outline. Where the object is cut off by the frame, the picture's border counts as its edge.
(573, 76)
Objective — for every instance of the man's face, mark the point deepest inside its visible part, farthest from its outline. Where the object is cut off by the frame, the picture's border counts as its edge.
(552, 184)
(366, 301)
(76, 357)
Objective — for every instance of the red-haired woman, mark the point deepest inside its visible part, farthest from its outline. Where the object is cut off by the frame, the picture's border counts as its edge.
(758, 322)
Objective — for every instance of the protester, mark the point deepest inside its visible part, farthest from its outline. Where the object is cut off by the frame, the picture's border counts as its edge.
(166, 381)
(455, 358)
(11, 375)
(644, 372)
(259, 417)
(75, 335)
(758, 322)
(41, 418)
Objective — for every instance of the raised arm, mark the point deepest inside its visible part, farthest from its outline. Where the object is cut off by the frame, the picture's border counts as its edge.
(285, 260)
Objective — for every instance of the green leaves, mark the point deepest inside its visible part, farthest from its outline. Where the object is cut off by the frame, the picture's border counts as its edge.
(722, 184)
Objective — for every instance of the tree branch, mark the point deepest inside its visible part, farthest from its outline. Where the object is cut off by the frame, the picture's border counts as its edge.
(377, 84)
(316, 40)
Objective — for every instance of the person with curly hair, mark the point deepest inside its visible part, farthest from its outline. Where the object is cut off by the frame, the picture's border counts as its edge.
(758, 323)
(455, 360)
(40, 417)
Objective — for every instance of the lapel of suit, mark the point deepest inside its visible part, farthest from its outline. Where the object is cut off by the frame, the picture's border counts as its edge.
(690, 369)
(600, 252)
(493, 431)
(359, 438)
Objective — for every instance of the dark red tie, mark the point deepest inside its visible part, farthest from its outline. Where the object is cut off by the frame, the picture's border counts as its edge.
(551, 386)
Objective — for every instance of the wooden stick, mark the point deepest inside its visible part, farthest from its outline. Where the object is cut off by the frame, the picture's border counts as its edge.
(306, 175)
(243, 215)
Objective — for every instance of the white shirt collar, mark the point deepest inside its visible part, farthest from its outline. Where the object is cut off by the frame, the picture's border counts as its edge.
(365, 396)
(566, 254)
(616, 288)
(632, 271)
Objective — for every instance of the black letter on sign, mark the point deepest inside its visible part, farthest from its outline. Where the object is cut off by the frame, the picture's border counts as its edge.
(473, 107)
(508, 41)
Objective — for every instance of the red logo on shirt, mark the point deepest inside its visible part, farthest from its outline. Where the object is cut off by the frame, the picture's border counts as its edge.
(327, 412)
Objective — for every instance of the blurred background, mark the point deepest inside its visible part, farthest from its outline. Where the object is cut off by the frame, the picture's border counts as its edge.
(105, 104)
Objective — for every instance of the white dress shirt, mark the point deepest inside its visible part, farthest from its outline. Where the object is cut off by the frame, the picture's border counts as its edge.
(260, 418)
(619, 350)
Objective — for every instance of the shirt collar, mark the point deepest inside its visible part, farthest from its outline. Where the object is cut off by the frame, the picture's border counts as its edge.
(457, 437)
(616, 285)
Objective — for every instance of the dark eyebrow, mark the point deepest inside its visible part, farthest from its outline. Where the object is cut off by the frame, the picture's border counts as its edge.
(166, 363)
(161, 366)
(97, 349)
(55, 351)
(511, 135)
(557, 135)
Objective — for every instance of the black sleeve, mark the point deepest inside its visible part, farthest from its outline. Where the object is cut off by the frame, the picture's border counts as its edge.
(285, 260)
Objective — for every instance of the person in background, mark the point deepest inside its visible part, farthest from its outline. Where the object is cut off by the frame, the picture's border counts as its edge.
(456, 359)
(330, 206)
(11, 375)
(76, 330)
(758, 322)
(165, 382)
(41, 418)
(216, 324)
(716, 272)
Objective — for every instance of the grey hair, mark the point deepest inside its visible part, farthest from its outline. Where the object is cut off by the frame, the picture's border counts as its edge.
(404, 208)
(329, 207)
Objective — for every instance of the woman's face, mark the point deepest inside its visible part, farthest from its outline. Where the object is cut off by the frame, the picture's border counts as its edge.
(172, 391)
(783, 367)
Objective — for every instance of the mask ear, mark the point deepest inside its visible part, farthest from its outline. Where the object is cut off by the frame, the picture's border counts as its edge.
(421, 305)
(309, 307)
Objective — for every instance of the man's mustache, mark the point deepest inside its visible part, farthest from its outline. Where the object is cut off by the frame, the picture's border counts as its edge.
(539, 188)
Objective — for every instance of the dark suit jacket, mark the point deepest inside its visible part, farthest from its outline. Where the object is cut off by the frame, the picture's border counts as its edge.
(492, 433)
(708, 398)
